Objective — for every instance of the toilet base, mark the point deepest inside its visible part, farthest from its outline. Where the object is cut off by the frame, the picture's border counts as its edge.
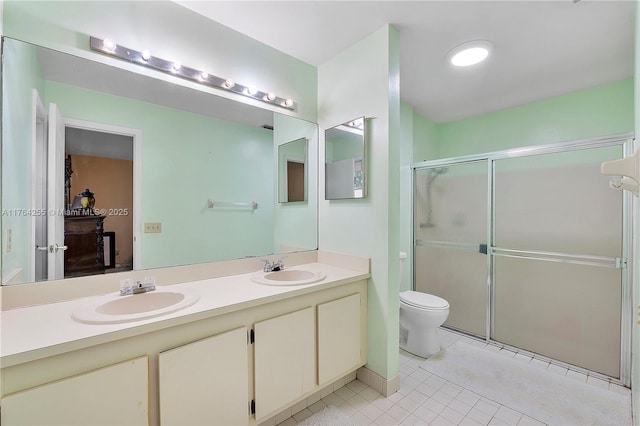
(422, 343)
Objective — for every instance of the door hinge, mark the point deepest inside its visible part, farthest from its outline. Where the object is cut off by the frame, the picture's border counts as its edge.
(252, 337)
(621, 262)
(252, 406)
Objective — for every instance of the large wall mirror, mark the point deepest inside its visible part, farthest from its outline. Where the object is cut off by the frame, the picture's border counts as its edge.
(178, 175)
(345, 168)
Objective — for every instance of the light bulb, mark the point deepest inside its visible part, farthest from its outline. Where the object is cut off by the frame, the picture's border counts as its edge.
(270, 96)
(288, 102)
(252, 90)
(176, 66)
(228, 83)
(204, 75)
(146, 55)
(109, 44)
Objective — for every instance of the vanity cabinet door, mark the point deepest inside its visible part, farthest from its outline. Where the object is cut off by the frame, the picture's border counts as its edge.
(339, 338)
(114, 395)
(206, 382)
(284, 360)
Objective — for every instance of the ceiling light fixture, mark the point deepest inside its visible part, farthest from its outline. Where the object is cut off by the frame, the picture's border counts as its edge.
(144, 58)
(470, 53)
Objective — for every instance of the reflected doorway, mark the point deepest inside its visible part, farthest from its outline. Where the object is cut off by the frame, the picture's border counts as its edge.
(101, 163)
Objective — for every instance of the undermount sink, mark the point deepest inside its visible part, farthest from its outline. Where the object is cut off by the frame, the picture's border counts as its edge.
(288, 277)
(114, 309)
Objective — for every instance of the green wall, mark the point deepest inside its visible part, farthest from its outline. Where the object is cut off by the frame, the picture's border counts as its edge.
(25, 75)
(361, 81)
(599, 111)
(186, 159)
(635, 338)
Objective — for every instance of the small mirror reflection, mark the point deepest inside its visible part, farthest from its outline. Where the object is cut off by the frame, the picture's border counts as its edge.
(292, 171)
(345, 160)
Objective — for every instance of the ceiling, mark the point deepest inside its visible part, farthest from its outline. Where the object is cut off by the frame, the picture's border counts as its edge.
(542, 48)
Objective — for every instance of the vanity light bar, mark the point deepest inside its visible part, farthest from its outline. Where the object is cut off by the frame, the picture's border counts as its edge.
(144, 58)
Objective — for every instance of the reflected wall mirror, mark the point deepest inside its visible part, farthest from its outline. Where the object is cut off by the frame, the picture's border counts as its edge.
(153, 154)
(292, 171)
(345, 162)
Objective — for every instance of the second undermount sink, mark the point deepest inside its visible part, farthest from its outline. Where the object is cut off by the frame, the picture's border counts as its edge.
(288, 277)
(114, 309)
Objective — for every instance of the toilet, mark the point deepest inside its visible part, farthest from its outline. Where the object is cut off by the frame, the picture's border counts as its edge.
(420, 316)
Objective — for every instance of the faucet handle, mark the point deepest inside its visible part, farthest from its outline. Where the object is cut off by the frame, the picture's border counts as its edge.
(267, 265)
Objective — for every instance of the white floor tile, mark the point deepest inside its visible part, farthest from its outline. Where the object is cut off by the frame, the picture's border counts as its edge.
(425, 414)
(452, 415)
(508, 415)
(557, 369)
(539, 363)
(480, 416)
(412, 420)
(434, 405)
(359, 419)
(486, 407)
(577, 376)
(372, 412)
(425, 399)
(528, 421)
(408, 404)
(398, 413)
(523, 357)
(460, 406)
(598, 382)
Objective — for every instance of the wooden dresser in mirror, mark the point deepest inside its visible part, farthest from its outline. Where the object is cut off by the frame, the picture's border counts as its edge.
(83, 236)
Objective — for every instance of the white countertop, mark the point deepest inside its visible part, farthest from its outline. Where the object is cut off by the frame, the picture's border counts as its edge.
(41, 331)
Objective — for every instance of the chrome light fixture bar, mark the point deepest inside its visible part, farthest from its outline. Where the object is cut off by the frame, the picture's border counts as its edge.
(144, 58)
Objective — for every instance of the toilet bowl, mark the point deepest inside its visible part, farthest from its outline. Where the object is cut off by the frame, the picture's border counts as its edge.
(420, 316)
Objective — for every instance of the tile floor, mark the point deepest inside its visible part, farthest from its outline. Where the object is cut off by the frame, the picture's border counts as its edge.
(426, 399)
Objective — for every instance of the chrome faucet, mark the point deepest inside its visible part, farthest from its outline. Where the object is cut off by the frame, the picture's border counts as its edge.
(273, 266)
(128, 287)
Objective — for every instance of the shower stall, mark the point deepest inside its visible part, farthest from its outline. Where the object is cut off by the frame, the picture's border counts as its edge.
(530, 248)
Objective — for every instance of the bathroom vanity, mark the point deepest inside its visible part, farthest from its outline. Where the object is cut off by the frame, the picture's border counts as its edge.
(239, 355)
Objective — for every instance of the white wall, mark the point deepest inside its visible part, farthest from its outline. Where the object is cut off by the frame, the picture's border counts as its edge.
(363, 80)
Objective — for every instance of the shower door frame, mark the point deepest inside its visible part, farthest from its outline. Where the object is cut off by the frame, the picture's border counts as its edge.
(624, 140)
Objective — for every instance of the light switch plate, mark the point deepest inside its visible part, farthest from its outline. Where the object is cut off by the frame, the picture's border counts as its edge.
(152, 227)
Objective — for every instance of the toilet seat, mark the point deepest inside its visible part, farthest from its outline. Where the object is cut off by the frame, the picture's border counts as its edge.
(423, 300)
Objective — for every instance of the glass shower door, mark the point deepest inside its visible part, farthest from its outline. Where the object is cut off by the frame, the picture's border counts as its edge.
(450, 234)
(557, 286)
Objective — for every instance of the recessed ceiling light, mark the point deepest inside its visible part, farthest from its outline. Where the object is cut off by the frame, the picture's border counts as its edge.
(470, 53)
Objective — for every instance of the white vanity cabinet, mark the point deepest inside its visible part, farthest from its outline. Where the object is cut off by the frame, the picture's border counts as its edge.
(201, 370)
(284, 360)
(340, 338)
(113, 395)
(206, 382)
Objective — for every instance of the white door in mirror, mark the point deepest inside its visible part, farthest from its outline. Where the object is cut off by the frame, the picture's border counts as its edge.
(288, 277)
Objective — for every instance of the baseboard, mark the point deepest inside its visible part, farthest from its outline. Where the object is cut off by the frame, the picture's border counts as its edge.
(386, 387)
